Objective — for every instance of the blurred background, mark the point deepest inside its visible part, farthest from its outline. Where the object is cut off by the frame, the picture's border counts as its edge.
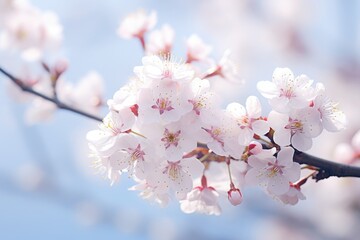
(47, 187)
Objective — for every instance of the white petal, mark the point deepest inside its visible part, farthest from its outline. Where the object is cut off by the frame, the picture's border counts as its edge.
(260, 127)
(301, 142)
(268, 89)
(253, 107)
(285, 156)
(293, 173)
(236, 109)
(282, 137)
(278, 185)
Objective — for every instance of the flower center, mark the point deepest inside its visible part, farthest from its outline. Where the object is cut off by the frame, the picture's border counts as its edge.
(171, 138)
(295, 126)
(136, 154)
(173, 170)
(162, 104)
(288, 93)
(215, 133)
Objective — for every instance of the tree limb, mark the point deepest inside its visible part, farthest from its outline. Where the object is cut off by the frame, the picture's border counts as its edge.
(54, 100)
(324, 167)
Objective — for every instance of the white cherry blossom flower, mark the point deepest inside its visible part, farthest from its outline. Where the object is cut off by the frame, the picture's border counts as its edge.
(203, 102)
(333, 119)
(286, 92)
(298, 129)
(164, 103)
(176, 176)
(87, 94)
(248, 119)
(275, 174)
(160, 41)
(114, 124)
(103, 166)
(197, 50)
(226, 69)
(171, 140)
(201, 200)
(132, 155)
(150, 193)
(136, 24)
(127, 95)
(155, 69)
(292, 196)
(220, 133)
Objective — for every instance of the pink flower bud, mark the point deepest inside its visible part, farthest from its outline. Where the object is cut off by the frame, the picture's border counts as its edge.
(235, 196)
(60, 66)
(255, 147)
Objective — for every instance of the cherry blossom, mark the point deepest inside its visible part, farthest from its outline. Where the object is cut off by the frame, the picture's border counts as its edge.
(333, 119)
(202, 199)
(298, 129)
(234, 195)
(274, 173)
(176, 176)
(248, 119)
(31, 31)
(114, 125)
(171, 140)
(155, 68)
(292, 196)
(133, 156)
(103, 166)
(160, 41)
(197, 50)
(87, 94)
(149, 192)
(220, 133)
(226, 69)
(286, 92)
(163, 103)
(136, 24)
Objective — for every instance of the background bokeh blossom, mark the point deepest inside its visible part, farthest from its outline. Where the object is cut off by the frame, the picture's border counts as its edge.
(47, 186)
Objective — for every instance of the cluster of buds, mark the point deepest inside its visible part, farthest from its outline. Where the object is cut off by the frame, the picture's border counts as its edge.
(168, 132)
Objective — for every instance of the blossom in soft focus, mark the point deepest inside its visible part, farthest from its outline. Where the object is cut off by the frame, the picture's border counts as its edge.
(160, 41)
(197, 50)
(226, 69)
(31, 31)
(136, 24)
(348, 152)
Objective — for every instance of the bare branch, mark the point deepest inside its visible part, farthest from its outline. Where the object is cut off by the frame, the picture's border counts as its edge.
(326, 168)
(54, 100)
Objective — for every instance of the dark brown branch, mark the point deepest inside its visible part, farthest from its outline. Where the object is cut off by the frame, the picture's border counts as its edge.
(54, 100)
(324, 167)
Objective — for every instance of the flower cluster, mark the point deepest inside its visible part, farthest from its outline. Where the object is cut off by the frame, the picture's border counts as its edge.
(167, 131)
(28, 30)
(32, 32)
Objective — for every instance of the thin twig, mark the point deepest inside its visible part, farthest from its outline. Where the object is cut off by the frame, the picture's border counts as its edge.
(54, 100)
